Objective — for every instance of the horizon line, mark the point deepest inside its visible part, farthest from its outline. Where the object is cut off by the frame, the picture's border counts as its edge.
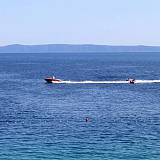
(78, 44)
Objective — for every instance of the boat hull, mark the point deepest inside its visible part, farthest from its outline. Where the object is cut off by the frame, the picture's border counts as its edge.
(51, 80)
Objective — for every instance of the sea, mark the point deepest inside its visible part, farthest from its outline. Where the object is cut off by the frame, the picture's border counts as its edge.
(79, 121)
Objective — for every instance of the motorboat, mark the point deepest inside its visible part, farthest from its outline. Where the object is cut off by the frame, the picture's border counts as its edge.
(131, 81)
(52, 80)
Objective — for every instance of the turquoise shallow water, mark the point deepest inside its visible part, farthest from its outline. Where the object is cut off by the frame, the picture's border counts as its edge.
(47, 121)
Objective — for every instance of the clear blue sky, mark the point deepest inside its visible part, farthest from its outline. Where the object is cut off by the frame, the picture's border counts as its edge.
(113, 22)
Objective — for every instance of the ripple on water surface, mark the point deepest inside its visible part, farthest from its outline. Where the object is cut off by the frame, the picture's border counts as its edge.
(47, 121)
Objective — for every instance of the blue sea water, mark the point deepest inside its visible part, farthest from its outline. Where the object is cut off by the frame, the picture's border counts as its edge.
(40, 121)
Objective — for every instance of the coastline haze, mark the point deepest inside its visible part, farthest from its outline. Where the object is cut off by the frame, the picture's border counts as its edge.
(70, 48)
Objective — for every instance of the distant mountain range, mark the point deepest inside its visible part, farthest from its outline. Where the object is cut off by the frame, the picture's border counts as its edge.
(57, 48)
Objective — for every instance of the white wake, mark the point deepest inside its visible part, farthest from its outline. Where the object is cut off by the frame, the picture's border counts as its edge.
(109, 82)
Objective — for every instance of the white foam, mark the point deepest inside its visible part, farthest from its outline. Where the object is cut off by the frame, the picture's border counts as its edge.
(109, 82)
(147, 81)
(95, 82)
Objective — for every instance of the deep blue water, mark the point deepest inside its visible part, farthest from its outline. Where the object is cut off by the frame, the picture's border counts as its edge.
(40, 121)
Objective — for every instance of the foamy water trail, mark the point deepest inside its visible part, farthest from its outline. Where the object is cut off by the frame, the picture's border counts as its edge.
(147, 81)
(109, 82)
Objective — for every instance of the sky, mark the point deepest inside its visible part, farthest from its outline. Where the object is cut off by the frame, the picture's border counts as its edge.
(106, 22)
